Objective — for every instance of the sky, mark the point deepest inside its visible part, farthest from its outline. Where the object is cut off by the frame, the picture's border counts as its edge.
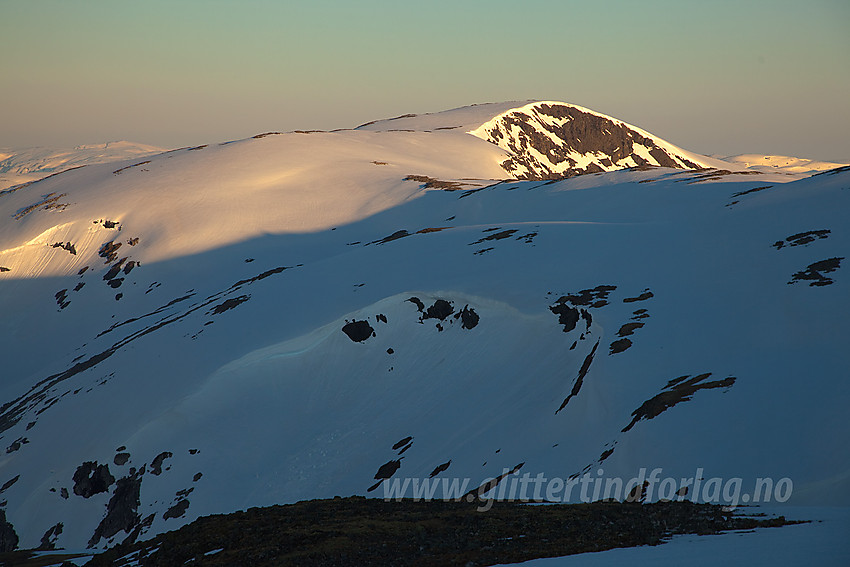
(722, 77)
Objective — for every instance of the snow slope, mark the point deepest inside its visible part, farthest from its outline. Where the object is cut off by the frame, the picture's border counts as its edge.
(271, 319)
(24, 165)
(783, 164)
(823, 542)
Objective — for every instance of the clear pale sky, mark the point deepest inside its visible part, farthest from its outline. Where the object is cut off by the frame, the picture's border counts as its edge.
(722, 77)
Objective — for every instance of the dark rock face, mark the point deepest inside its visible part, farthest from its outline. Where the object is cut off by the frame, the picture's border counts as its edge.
(388, 469)
(740, 194)
(620, 345)
(628, 329)
(530, 135)
(61, 297)
(570, 308)
(109, 251)
(91, 478)
(228, 304)
(8, 484)
(814, 273)
(68, 246)
(48, 540)
(490, 484)
(358, 331)
(469, 318)
(595, 297)
(431, 183)
(156, 464)
(678, 390)
(394, 236)
(495, 236)
(142, 526)
(121, 511)
(385, 471)
(585, 368)
(642, 297)
(8, 537)
(802, 238)
(418, 303)
(121, 458)
(567, 316)
(17, 444)
(176, 511)
(48, 202)
(439, 310)
(440, 468)
(113, 271)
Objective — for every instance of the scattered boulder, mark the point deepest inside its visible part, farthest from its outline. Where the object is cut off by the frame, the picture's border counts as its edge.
(358, 331)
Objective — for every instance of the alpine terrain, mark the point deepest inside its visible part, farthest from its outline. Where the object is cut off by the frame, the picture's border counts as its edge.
(482, 293)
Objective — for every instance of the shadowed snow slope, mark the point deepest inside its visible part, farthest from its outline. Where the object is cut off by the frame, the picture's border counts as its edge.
(312, 314)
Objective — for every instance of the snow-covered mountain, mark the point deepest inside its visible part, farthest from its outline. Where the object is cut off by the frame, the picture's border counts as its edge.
(784, 164)
(310, 314)
(552, 140)
(24, 165)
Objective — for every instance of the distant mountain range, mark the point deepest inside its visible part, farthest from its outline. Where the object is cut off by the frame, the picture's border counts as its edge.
(22, 165)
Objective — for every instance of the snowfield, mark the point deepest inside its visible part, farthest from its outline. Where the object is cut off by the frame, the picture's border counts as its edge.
(264, 321)
(25, 165)
(823, 542)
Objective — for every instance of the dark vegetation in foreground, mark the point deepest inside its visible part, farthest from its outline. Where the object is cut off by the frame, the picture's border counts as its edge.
(361, 531)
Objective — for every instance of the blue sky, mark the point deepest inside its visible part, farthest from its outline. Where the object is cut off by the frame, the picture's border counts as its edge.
(721, 77)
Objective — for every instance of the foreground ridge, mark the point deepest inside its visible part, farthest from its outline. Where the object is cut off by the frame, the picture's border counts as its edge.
(370, 532)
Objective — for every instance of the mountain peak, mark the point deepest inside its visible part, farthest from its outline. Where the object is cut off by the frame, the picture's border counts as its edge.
(552, 139)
